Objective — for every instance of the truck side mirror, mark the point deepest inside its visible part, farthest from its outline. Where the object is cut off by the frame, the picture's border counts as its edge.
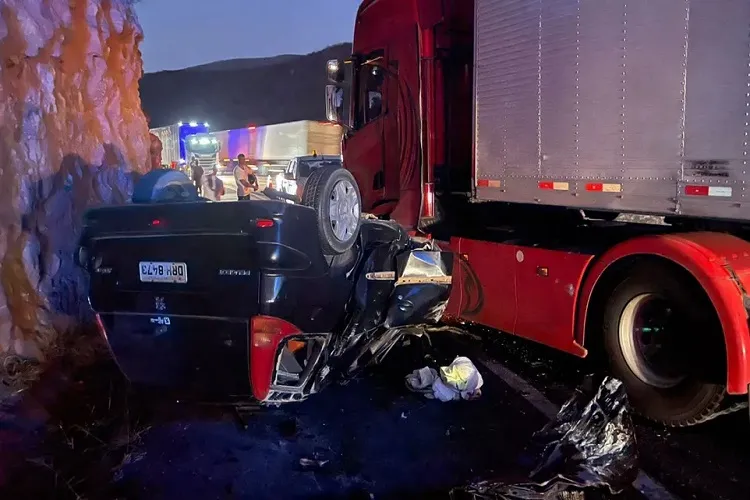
(334, 103)
(335, 71)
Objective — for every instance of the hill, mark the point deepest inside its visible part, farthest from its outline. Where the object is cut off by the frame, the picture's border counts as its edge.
(238, 64)
(235, 93)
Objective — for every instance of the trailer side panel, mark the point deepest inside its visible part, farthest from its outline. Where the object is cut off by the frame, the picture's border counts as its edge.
(634, 106)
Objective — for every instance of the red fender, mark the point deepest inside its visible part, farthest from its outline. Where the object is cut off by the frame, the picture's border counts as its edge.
(719, 262)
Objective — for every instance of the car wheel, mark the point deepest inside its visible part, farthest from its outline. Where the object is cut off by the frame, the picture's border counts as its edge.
(163, 186)
(334, 194)
(660, 332)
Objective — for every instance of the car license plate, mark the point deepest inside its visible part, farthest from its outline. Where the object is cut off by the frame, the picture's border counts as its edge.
(163, 272)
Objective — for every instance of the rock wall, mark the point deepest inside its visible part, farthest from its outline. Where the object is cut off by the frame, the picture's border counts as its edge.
(71, 134)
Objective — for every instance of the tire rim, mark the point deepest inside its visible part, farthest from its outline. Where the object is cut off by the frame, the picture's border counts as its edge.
(344, 210)
(649, 340)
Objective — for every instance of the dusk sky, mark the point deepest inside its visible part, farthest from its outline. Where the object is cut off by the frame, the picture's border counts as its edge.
(182, 33)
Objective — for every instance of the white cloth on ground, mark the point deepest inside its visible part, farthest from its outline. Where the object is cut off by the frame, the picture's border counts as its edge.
(459, 380)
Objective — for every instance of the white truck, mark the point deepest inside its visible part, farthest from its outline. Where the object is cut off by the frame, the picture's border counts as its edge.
(173, 139)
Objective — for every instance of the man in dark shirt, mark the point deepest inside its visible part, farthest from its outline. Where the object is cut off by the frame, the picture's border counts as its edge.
(197, 172)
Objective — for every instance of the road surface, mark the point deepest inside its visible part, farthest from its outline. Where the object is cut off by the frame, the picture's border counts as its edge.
(370, 438)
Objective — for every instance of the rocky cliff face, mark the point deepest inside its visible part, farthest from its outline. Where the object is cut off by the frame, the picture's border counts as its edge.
(71, 133)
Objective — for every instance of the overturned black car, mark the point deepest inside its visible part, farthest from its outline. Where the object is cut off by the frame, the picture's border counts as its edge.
(263, 298)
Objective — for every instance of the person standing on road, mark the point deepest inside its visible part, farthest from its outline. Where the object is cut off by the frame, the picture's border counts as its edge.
(213, 187)
(155, 151)
(245, 179)
(197, 171)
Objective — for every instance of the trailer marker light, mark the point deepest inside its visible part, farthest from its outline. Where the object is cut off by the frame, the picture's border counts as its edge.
(720, 191)
(555, 186)
(489, 183)
(264, 223)
(601, 187)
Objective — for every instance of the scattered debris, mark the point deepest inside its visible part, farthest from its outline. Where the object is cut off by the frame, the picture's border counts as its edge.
(459, 380)
(312, 463)
(588, 451)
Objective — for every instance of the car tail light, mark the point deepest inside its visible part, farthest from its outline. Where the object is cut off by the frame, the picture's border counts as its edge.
(266, 334)
(264, 223)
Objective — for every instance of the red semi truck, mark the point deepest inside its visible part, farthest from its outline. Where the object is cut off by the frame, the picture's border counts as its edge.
(518, 130)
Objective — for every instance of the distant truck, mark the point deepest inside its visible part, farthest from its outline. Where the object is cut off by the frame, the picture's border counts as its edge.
(174, 152)
(203, 147)
(519, 131)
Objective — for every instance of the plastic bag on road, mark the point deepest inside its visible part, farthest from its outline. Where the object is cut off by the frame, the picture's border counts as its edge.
(587, 451)
(459, 380)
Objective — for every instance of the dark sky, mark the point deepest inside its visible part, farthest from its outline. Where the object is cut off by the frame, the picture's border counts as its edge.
(182, 33)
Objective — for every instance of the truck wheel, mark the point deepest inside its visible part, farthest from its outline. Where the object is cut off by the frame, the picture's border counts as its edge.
(164, 186)
(663, 340)
(334, 194)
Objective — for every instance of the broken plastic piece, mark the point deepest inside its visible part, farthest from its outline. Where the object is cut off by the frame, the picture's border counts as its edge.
(312, 464)
(588, 451)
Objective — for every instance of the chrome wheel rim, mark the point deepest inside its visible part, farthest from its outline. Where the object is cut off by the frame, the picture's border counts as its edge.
(344, 210)
(648, 335)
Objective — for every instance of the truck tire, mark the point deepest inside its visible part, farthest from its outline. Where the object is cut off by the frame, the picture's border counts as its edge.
(660, 331)
(164, 185)
(334, 194)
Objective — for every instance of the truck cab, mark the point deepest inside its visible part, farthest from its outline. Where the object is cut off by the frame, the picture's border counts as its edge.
(405, 98)
(204, 147)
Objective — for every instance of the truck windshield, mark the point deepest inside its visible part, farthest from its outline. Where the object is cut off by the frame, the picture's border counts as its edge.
(202, 145)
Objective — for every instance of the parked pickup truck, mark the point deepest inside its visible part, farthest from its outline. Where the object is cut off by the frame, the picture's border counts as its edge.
(212, 300)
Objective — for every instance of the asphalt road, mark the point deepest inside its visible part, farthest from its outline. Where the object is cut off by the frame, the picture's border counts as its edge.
(375, 437)
(708, 461)
(370, 438)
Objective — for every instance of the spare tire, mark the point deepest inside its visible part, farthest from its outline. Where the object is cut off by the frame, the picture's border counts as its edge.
(164, 185)
(334, 194)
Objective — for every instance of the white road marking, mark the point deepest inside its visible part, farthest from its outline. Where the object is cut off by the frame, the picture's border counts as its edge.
(649, 487)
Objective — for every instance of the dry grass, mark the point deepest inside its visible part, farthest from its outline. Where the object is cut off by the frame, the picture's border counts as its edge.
(75, 349)
(17, 374)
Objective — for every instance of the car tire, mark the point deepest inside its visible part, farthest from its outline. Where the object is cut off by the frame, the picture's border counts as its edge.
(164, 185)
(334, 195)
(679, 393)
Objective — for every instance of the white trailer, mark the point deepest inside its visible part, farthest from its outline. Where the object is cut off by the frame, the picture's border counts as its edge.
(637, 106)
